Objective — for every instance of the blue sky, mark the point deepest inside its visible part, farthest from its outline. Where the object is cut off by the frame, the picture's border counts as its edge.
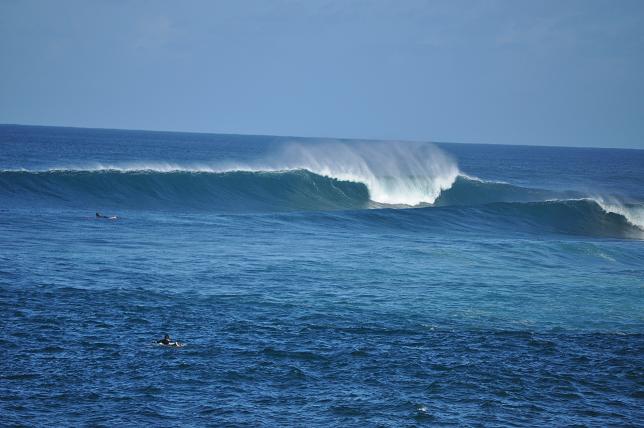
(509, 72)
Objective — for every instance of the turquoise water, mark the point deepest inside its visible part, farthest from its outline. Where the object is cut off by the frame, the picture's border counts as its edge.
(314, 282)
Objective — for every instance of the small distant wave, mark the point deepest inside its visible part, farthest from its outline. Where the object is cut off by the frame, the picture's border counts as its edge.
(572, 216)
(474, 191)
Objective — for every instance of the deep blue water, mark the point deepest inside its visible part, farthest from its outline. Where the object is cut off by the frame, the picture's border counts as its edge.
(317, 283)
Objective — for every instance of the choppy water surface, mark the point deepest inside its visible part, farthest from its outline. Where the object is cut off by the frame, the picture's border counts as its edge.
(324, 283)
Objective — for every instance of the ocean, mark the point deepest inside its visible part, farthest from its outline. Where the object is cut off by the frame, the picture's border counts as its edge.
(317, 282)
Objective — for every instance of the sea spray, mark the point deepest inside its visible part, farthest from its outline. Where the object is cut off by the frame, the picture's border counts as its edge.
(395, 173)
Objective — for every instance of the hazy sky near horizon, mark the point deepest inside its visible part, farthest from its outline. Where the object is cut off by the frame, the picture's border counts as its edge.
(510, 72)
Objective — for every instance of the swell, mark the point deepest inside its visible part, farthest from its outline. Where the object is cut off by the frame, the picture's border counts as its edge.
(574, 216)
(468, 204)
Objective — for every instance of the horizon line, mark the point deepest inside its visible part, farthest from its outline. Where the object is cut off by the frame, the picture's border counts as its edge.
(166, 131)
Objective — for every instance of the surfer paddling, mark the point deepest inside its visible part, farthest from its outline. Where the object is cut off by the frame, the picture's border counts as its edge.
(167, 341)
(99, 215)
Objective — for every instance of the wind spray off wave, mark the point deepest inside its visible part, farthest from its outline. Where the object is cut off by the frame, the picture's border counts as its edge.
(394, 173)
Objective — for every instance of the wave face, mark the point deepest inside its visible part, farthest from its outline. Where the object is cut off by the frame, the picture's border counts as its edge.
(236, 191)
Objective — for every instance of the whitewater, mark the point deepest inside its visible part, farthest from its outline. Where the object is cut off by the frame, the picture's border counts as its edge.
(359, 283)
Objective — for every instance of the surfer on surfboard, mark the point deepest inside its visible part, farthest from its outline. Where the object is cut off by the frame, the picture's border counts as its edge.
(99, 215)
(166, 341)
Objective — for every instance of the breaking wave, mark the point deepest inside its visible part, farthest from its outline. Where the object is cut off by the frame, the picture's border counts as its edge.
(320, 177)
